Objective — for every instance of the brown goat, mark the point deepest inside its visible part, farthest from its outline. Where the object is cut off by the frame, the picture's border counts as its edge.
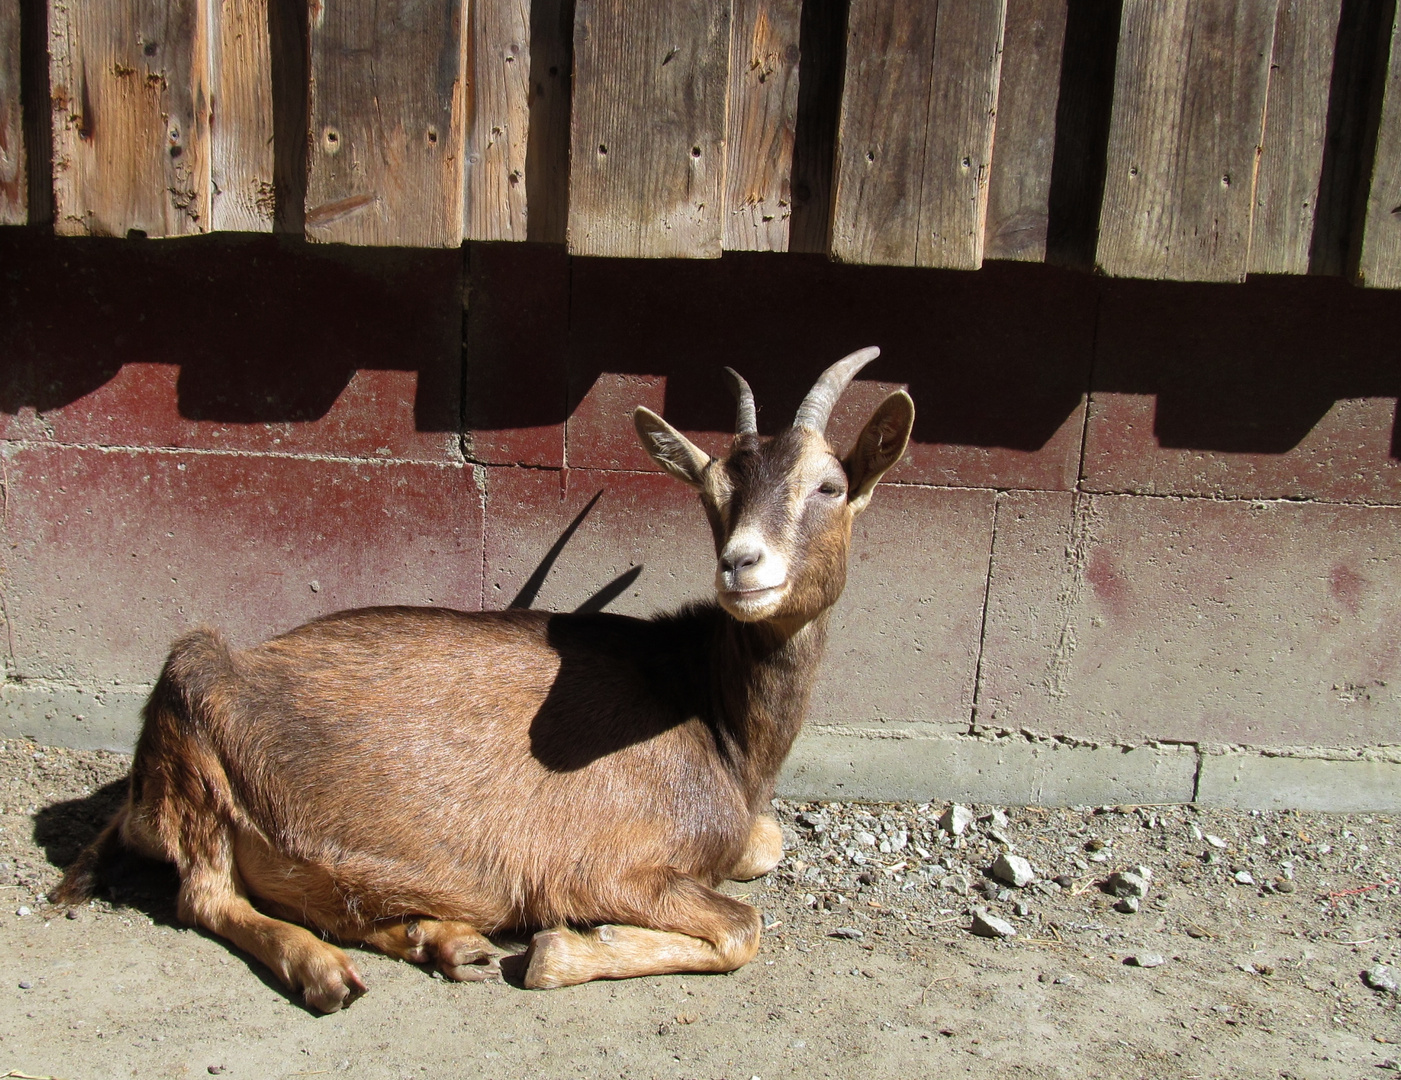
(413, 778)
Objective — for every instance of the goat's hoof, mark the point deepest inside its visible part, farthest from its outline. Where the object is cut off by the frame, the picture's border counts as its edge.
(482, 969)
(330, 982)
(542, 960)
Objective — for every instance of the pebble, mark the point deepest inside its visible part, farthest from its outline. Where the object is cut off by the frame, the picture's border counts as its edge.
(1145, 960)
(25, 984)
(996, 818)
(956, 819)
(1215, 841)
(1127, 883)
(986, 924)
(1128, 905)
(848, 932)
(866, 839)
(955, 883)
(1284, 885)
(1244, 877)
(1378, 977)
(1014, 870)
(21, 910)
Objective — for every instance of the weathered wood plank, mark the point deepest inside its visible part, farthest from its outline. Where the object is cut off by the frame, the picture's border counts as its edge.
(240, 79)
(131, 117)
(1019, 188)
(881, 131)
(1296, 114)
(915, 136)
(647, 145)
(1381, 242)
(1189, 105)
(388, 111)
(962, 112)
(14, 185)
(763, 113)
(499, 129)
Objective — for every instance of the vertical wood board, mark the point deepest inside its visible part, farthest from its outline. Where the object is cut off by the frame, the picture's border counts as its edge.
(14, 181)
(915, 135)
(1189, 104)
(958, 148)
(1019, 187)
(763, 113)
(1296, 114)
(241, 168)
(1380, 264)
(881, 132)
(131, 117)
(647, 143)
(388, 111)
(499, 55)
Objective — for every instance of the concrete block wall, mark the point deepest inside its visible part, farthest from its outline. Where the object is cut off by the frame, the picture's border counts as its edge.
(1144, 547)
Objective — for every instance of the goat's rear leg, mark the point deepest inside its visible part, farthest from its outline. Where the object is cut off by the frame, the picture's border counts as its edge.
(680, 926)
(763, 851)
(455, 948)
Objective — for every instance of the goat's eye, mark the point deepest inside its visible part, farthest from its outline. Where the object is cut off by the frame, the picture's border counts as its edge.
(830, 488)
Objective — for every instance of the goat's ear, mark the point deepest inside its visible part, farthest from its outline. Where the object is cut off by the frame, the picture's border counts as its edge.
(881, 444)
(669, 448)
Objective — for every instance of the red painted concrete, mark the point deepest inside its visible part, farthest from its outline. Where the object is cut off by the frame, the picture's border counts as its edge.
(1135, 619)
(110, 555)
(1282, 388)
(998, 362)
(517, 337)
(259, 345)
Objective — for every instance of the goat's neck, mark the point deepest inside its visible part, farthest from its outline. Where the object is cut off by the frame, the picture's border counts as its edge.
(763, 679)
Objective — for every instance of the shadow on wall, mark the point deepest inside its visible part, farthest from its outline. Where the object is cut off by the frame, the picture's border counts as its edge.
(264, 329)
(272, 329)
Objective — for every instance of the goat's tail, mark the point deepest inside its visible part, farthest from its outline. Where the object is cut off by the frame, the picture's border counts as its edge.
(85, 876)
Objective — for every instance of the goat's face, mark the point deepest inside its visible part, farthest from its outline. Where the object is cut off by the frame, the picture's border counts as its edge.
(781, 510)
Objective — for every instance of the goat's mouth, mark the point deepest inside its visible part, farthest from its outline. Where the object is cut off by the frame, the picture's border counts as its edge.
(751, 604)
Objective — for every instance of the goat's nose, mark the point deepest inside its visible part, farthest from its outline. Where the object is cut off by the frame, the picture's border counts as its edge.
(741, 558)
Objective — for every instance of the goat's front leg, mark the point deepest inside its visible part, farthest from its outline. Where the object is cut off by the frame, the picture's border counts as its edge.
(678, 925)
(762, 853)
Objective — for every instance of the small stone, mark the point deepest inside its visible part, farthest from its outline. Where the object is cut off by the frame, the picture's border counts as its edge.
(21, 910)
(955, 883)
(999, 836)
(1127, 883)
(848, 932)
(809, 900)
(1014, 870)
(1021, 909)
(811, 820)
(25, 984)
(71, 913)
(215, 1070)
(956, 819)
(1244, 877)
(1381, 977)
(988, 925)
(1145, 960)
(1128, 905)
(865, 839)
(1065, 881)
(997, 818)
(1283, 885)
(1215, 841)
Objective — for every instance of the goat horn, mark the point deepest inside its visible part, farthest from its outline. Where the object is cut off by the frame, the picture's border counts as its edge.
(817, 406)
(746, 420)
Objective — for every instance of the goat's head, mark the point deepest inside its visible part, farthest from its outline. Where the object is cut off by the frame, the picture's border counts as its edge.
(781, 509)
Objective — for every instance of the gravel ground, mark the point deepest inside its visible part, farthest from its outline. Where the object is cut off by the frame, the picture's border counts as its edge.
(1263, 945)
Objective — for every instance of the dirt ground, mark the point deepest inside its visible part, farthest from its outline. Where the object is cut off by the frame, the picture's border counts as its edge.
(1269, 928)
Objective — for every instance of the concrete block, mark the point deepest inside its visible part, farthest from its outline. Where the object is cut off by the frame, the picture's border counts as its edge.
(110, 555)
(910, 764)
(58, 715)
(1342, 782)
(903, 638)
(1280, 388)
(233, 344)
(517, 341)
(1128, 619)
(997, 362)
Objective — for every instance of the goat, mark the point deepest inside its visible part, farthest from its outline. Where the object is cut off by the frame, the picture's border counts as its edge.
(414, 778)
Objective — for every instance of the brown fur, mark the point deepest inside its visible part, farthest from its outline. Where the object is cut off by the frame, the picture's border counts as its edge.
(415, 778)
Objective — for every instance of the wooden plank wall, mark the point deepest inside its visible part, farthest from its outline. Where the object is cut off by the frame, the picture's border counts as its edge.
(1228, 138)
